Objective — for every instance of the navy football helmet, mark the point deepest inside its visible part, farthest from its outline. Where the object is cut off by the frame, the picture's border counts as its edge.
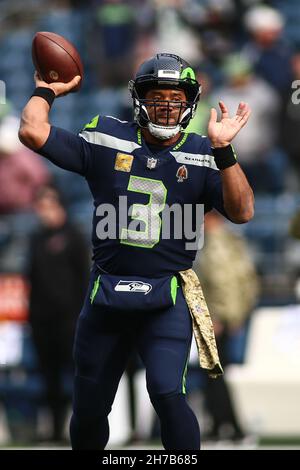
(164, 71)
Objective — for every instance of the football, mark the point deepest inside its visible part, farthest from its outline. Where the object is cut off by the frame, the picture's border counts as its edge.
(55, 58)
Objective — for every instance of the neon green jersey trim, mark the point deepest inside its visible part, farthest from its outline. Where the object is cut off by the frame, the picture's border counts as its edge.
(185, 136)
(184, 376)
(95, 289)
(93, 123)
(185, 373)
(174, 287)
(139, 136)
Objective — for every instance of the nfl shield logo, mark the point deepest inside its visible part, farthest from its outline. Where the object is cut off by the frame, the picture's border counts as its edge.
(151, 163)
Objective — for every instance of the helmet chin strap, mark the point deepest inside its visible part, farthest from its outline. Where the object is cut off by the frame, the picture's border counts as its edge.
(163, 132)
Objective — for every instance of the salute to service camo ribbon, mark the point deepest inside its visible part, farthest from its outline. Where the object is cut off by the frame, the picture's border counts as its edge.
(202, 324)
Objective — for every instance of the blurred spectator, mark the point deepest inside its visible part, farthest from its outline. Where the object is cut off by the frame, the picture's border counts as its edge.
(199, 122)
(294, 232)
(291, 120)
(255, 145)
(21, 171)
(174, 33)
(267, 49)
(113, 41)
(215, 48)
(230, 286)
(294, 228)
(58, 273)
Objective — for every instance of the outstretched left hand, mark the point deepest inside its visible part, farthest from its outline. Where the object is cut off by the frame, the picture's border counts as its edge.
(221, 133)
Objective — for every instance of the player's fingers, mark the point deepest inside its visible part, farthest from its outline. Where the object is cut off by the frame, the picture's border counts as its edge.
(246, 110)
(245, 117)
(224, 109)
(74, 82)
(242, 109)
(213, 115)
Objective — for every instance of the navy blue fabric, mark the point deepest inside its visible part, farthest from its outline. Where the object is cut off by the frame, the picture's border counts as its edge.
(175, 414)
(104, 340)
(96, 163)
(102, 347)
(123, 293)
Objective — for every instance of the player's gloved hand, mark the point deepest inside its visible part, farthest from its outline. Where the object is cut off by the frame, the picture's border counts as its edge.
(221, 133)
(59, 88)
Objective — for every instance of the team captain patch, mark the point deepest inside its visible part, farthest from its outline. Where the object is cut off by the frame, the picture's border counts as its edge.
(123, 162)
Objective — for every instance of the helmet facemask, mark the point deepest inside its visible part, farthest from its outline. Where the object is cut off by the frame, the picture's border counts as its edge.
(169, 117)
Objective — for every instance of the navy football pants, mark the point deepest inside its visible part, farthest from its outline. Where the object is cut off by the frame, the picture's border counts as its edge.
(103, 344)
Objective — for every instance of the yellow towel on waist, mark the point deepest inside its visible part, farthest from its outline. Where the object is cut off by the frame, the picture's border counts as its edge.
(202, 324)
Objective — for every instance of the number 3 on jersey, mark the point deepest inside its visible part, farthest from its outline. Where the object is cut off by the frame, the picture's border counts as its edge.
(147, 213)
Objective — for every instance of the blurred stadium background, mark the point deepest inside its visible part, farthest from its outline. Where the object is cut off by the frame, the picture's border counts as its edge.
(242, 50)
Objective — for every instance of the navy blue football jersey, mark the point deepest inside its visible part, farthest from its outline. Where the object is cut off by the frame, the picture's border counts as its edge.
(124, 172)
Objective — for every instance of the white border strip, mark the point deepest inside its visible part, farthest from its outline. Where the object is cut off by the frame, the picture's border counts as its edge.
(195, 159)
(109, 141)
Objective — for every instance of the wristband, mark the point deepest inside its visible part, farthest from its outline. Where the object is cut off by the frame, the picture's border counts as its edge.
(224, 157)
(46, 93)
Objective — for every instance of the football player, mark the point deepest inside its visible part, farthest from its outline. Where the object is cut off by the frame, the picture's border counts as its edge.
(137, 296)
